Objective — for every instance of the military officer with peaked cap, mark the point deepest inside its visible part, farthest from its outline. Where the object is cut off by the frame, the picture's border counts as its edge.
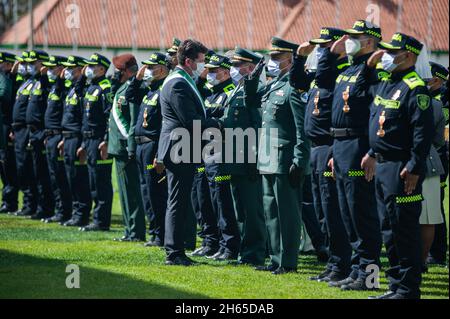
(283, 156)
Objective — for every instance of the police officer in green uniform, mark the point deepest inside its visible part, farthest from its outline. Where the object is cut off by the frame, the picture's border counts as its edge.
(122, 147)
(246, 183)
(97, 104)
(438, 252)
(9, 82)
(400, 135)
(283, 156)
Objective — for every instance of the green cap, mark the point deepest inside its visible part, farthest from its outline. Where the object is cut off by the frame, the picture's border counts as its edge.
(156, 58)
(175, 44)
(327, 35)
(55, 60)
(73, 61)
(97, 59)
(365, 27)
(402, 41)
(37, 55)
(218, 61)
(279, 45)
(439, 71)
(244, 55)
(7, 57)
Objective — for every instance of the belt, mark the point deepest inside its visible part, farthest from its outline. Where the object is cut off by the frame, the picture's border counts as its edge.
(52, 132)
(348, 132)
(395, 157)
(69, 134)
(144, 139)
(91, 134)
(18, 125)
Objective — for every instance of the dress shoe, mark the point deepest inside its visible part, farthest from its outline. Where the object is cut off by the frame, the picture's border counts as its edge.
(93, 227)
(217, 254)
(74, 223)
(399, 296)
(24, 212)
(322, 254)
(4, 209)
(333, 276)
(204, 251)
(270, 267)
(357, 285)
(226, 256)
(284, 270)
(179, 261)
(340, 283)
(435, 261)
(55, 219)
(320, 276)
(153, 243)
(123, 239)
(386, 295)
(38, 216)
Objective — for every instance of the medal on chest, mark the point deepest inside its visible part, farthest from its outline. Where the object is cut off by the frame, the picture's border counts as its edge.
(345, 96)
(381, 120)
(316, 111)
(144, 123)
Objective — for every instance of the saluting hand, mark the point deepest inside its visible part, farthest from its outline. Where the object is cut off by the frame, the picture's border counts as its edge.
(375, 58)
(305, 49)
(44, 70)
(141, 73)
(256, 73)
(62, 74)
(410, 181)
(339, 46)
(15, 67)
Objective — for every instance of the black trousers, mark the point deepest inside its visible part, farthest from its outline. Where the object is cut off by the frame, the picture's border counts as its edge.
(154, 194)
(325, 197)
(78, 179)
(8, 173)
(400, 227)
(100, 183)
(58, 178)
(179, 180)
(222, 203)
(203, 209)
(25, 173)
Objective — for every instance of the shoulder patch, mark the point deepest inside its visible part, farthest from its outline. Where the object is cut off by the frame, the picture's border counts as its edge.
(423, 101)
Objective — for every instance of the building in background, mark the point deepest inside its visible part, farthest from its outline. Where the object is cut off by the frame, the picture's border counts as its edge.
(142, 26)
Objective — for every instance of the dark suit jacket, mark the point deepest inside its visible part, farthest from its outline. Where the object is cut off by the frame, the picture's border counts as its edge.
(180, 106)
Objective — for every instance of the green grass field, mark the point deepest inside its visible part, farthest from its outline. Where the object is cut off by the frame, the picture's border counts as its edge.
(34, 256)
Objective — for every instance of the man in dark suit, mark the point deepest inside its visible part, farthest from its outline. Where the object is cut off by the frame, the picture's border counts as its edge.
(181, 105)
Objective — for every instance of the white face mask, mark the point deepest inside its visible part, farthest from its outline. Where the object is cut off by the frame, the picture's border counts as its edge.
(52, 75)
(31, 69)
(235, 74)
(274, 67)
(22, 70)
(352, 46)
(90, 73)
(212, 79)
(148, 75)
(200, 68)
(68, 74)
(387, 60)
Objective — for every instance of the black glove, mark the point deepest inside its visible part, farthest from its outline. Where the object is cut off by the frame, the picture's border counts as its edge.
(295, 176)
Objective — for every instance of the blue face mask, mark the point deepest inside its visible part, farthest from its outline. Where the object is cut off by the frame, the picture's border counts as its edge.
(52, 76)
(319, 53)
(90, 74)
(68, 74)
(22, 70)
(31, 69)
(212, 79)
(274, 67)
(235, 74)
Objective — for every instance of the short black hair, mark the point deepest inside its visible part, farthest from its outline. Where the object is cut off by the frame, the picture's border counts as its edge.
(190, 48)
